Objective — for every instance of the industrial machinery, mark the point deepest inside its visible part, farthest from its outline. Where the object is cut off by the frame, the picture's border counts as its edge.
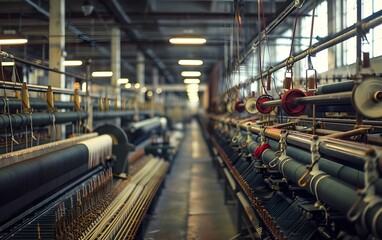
(61, 180)
(302, 161)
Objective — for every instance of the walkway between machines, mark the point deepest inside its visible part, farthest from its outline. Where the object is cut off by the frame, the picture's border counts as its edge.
(191, 206)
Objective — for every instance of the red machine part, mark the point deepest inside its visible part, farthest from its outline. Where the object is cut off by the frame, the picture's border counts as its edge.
(287, 102)
(239, 106)
(259, 151)
(259, 104)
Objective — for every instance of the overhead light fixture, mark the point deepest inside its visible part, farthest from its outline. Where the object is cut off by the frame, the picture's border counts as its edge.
(7, 64)
(128, 85)
(144, 89)
(190, 62)
(10, 37)
(122, 81)
(150, 93)
(189, 40)
(159, 90)
(72, 63)
(191, 74)
(191, 81)
(137, 85)
(102, 74)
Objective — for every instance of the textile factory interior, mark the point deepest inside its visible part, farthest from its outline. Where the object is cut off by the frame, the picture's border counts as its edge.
(191, 119)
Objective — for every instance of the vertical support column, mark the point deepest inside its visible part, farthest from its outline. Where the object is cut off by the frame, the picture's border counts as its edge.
(141, 73)
(116, 65)
(57, 50)
(332, 58)
(57, 42)
(155, 76)
(141, 80)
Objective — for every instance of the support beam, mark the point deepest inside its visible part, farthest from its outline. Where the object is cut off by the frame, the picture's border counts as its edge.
(57, 42)
(141, 74)
(116, 65)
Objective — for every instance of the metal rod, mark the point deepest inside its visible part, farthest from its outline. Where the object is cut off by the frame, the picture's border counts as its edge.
(351, 152)
(37, 88)
(350, 32)
(332, 99)
(272, 26)
(16, 59)
(348, 133)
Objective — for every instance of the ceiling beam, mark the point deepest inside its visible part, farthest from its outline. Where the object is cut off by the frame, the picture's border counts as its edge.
(115, 9)
(81, 35)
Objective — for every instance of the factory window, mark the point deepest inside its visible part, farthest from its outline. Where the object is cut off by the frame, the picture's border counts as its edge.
(320, 30)
(374, 36)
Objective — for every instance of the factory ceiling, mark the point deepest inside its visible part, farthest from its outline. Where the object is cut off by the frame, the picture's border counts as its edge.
(146, 25)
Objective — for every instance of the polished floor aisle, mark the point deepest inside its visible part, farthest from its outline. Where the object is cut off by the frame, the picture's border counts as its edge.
(191, 205)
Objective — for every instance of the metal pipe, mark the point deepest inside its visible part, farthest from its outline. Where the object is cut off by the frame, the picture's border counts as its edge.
(332, 99)
(323, 186)
(271, 27)
(340, 171)
(371, 22)
(19, 120)
(35, 103)
(342, 121)
(350, 152)
(148, 122)
(348, 133)
(10, 56)
(38, 88)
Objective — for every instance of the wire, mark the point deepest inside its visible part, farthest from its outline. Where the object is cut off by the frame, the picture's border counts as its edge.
(259, 47)
(294, 33)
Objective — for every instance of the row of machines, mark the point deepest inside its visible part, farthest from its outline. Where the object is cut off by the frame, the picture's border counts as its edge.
(91, 184)
(305, 166)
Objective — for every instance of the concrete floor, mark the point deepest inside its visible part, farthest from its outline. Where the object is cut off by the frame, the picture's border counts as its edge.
(191, 206)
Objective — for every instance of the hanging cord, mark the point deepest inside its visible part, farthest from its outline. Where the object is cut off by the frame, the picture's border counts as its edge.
(310, 67)
(294, 33)
(259, 47)
(312, 25)
(6, 108)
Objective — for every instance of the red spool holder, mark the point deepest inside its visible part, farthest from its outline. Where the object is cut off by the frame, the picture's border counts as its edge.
(287, 102)
(259, 104)
(239, 106)
(259, 151)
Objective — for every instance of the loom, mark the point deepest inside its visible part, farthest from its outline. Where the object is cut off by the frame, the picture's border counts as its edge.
(84, 186)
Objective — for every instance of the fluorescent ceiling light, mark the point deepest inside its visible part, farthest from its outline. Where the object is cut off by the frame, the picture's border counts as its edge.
(13, 41)
(102, 74)
(8, 64)
(72, 63)
(190, 62)
(10, 37)
(128, 85)
(122, 81)
(191, 74)
(137, 85)
(187, 40)
(191, 81)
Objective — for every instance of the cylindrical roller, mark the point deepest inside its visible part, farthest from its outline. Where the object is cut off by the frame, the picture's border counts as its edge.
(335, 87)
(27, 181)
(323, 186)
(40, 119)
